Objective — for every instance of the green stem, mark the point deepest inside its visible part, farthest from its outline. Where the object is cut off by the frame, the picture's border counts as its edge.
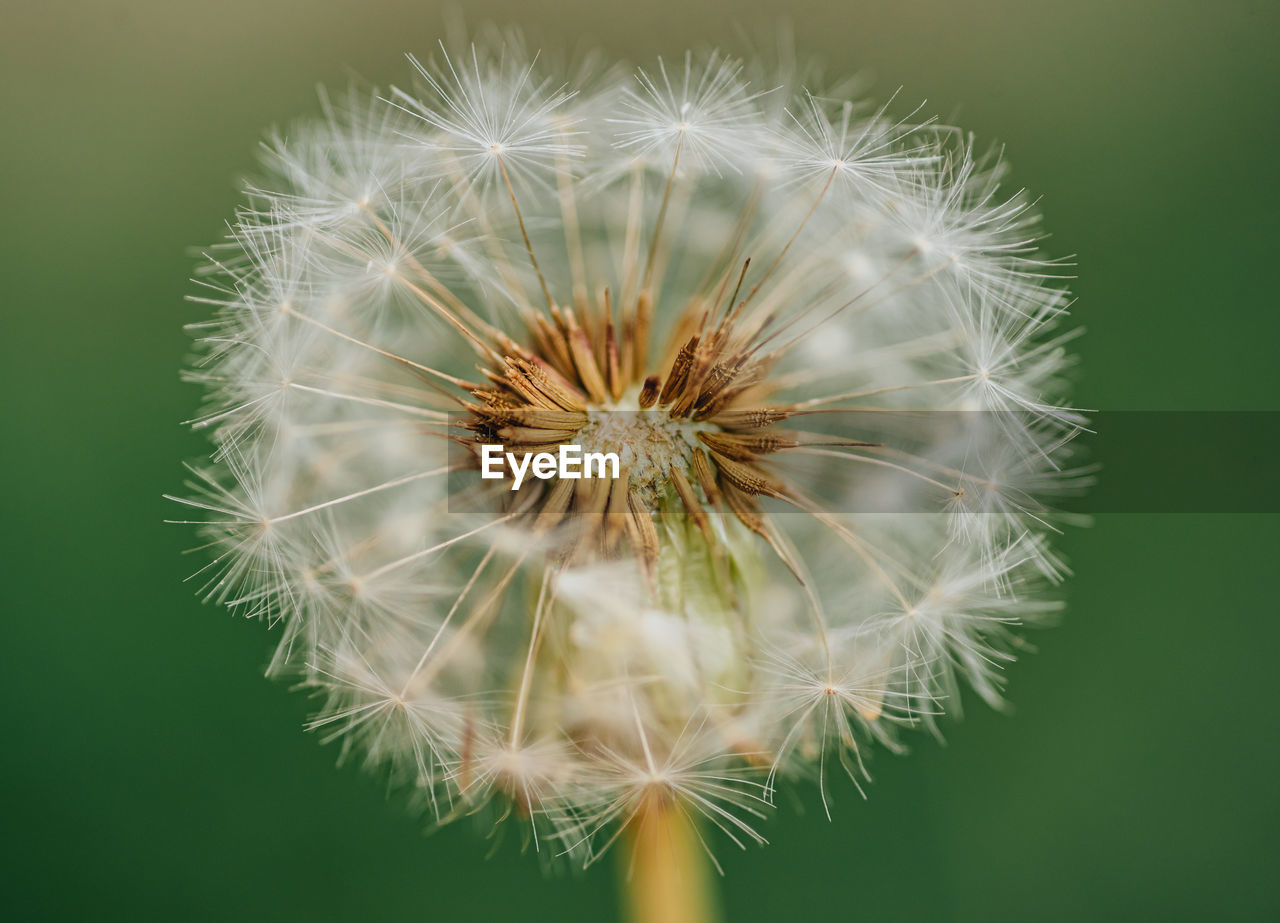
(667, 878)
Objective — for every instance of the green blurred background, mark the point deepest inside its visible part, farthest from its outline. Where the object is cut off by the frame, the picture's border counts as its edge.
(148, 771)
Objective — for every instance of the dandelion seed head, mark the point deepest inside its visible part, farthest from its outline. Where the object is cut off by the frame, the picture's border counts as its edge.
(820, 338)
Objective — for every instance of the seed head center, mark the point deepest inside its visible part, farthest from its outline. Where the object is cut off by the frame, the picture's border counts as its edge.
(648, 443)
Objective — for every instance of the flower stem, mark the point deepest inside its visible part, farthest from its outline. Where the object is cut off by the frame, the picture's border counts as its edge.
(667, 877)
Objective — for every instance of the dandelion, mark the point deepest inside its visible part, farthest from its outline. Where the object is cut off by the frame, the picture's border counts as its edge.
(821, 343)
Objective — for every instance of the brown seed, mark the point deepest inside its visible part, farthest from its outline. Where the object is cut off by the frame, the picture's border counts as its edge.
(691, 503)
(744, 507)
(747, 478)
(649, 392)
(679, 370)
(584, 361)
(746, 420)
(705, 474)
(644, 536)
